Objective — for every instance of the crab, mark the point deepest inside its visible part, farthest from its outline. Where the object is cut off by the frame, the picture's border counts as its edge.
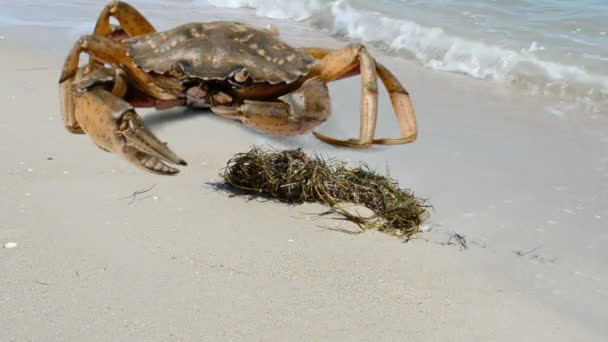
(240, 72)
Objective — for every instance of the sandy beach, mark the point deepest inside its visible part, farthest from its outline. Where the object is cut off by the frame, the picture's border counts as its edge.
(527, 187)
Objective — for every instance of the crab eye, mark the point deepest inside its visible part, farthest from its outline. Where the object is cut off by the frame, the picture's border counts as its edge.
(242, 75)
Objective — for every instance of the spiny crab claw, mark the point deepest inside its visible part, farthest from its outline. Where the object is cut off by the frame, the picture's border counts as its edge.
(144, 149)
(114, 126)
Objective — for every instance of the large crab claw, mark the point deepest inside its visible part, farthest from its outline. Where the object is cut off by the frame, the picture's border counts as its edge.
(114, 126)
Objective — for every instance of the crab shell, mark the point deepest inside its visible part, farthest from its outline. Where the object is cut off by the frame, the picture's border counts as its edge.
(218, 51)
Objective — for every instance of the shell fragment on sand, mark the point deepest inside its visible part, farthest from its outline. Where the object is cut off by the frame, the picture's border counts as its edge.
(10, 245)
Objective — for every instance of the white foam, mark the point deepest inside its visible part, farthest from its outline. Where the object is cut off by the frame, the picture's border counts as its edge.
(276, 9)
(436, 49)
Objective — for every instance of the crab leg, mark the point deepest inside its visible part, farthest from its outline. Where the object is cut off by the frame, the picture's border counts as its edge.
(109, 51)
(294, 113)
(402, 105)
(316, 52)
(114, 126)
(340, 62)
(68, 103)
(400, 99)
(129, 19)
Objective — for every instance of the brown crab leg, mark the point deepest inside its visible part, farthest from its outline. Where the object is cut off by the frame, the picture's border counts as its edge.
(316, 52)
(129, 19)
(344, 61)
(399, 96)
(402, 105)
(68, 104)
(109, 51)
(114, 126)
(295, 113)
(320, 53)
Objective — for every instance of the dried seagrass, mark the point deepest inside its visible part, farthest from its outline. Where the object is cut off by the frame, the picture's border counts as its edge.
(292, 176)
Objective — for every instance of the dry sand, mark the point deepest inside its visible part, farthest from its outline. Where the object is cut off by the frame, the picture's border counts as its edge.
(185, 263)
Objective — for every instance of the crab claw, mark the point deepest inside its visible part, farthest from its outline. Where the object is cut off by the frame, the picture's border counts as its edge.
(144, 148)
(114, 126)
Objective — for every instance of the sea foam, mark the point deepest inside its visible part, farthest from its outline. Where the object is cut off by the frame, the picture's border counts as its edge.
(276, 9)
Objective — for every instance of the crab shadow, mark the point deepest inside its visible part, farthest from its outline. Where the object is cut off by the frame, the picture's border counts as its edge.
(156, 119)
(159, 118)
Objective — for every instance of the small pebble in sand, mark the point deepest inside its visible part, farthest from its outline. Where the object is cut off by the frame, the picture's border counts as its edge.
(155, 198)
(66, 172)
(30, 170)
(597, 217)
(291, 240)
(554, 111)
(551, 222)
(27, 194)
(10, 245)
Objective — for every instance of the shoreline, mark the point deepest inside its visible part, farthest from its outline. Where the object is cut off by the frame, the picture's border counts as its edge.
(185, 264)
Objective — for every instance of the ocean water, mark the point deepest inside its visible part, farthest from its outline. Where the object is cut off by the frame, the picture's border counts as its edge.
(548, 47)
(556, 48)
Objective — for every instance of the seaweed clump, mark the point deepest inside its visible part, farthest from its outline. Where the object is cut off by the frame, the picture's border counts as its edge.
(291, 176)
